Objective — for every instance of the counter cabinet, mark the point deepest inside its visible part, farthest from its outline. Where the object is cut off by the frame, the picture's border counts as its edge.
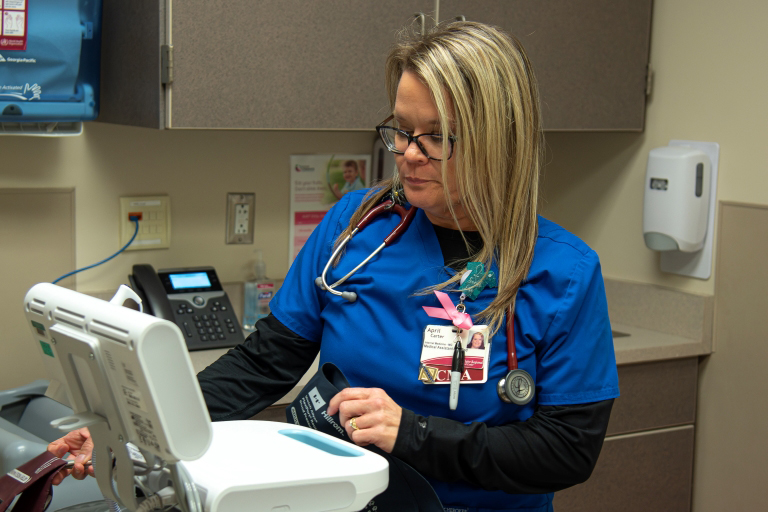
(647, 458)
(320, 65)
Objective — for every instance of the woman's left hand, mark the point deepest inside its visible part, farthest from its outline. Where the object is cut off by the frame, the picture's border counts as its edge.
(376, 416)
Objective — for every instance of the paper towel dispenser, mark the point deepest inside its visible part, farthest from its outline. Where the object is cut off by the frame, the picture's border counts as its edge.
(50, 53)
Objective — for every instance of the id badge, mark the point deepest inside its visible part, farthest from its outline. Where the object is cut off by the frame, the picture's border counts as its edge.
(437, 354)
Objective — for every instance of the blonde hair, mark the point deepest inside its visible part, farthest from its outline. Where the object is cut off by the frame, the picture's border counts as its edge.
(484, 76)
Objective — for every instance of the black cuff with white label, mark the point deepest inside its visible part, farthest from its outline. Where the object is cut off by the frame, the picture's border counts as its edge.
(407, 491)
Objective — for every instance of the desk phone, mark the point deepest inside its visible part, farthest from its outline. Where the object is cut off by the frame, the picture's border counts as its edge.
(193, 299)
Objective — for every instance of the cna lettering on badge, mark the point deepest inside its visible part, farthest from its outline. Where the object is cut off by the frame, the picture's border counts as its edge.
(437, 354)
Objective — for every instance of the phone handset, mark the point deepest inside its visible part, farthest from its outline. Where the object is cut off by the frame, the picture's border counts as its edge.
(147, 284)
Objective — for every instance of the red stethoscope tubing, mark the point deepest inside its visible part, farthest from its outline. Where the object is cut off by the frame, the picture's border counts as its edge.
(406, 216)
(511, 348)
(517, 387)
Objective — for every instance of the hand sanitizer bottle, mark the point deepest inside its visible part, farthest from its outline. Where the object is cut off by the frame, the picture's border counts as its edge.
(258, 293)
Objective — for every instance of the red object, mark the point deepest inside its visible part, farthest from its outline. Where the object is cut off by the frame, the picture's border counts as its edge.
(33, 480)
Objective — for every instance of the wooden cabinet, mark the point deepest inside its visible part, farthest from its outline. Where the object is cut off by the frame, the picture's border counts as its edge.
(590, 56)
(243, 64)
(647, 459)
(292, 64)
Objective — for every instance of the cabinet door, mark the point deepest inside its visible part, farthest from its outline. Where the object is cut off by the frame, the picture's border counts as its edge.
(286, 64)
(655, 395)
(652, 471)
(131, 92)
(590, 56)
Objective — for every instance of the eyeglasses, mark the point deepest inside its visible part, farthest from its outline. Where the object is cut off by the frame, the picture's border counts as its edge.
(431, 144)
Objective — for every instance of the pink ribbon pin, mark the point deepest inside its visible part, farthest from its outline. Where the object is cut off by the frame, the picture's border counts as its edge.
(449, 312)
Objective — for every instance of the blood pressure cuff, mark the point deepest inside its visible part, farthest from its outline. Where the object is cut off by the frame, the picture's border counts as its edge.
(407, 491)
(33, 480)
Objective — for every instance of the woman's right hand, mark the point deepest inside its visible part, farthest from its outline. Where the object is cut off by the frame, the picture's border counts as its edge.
(80, 445)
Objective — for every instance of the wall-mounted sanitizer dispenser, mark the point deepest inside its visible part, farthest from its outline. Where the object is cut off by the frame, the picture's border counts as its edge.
(676, 200)
(50, 56)
(678, 206)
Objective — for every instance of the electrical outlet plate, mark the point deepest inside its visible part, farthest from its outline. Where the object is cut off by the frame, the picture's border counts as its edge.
(240, 213)
(154, 225)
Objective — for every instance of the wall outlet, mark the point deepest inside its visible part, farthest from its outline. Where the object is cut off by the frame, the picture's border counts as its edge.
(240, 213)
(154, 213)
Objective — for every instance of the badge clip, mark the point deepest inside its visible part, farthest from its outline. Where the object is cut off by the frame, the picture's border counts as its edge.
(475, 280)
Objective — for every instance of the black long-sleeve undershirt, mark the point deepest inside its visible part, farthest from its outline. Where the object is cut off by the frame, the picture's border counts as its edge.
(256, 373)
(556, 448)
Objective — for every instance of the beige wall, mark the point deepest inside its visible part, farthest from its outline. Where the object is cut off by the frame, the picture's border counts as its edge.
(195, 168)
(710, 85)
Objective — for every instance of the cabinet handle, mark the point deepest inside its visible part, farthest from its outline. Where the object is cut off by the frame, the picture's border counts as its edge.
(422, 19)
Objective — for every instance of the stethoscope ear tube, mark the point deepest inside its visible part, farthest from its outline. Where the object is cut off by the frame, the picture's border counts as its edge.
(406, 216)
(348, 296)
(517, 387)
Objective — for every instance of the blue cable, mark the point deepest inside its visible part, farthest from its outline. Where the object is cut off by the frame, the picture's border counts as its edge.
(136, 232)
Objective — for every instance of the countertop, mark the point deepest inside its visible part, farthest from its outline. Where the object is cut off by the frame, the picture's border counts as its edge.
(640, 346)
(646, 345)
(682, 326)
(662, 323)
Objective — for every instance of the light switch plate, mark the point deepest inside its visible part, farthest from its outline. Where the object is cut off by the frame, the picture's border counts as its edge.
(154, 223)
(240, 213)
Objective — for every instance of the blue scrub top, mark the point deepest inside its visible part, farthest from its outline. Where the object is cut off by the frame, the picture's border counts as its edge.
(562, 330)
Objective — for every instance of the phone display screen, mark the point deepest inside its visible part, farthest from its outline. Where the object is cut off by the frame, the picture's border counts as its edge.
(186, 281)
(189, 280)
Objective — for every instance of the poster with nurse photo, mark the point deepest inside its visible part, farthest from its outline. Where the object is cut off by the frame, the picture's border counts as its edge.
(317, 183)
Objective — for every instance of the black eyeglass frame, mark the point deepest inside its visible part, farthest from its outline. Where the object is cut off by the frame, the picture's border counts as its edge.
(412, 138)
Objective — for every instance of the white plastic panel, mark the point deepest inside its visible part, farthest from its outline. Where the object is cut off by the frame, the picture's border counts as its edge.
(697, 264)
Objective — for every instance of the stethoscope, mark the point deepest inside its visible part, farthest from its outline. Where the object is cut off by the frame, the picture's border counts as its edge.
(391, 204)
(517, 386)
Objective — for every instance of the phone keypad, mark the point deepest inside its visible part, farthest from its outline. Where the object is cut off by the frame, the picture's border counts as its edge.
(213, 326)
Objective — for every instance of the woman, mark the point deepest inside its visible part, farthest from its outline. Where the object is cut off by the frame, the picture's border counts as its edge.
(477, 341)
(468, 156)
(466, 133)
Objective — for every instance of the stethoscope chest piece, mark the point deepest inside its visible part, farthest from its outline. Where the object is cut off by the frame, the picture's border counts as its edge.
(516, 388)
